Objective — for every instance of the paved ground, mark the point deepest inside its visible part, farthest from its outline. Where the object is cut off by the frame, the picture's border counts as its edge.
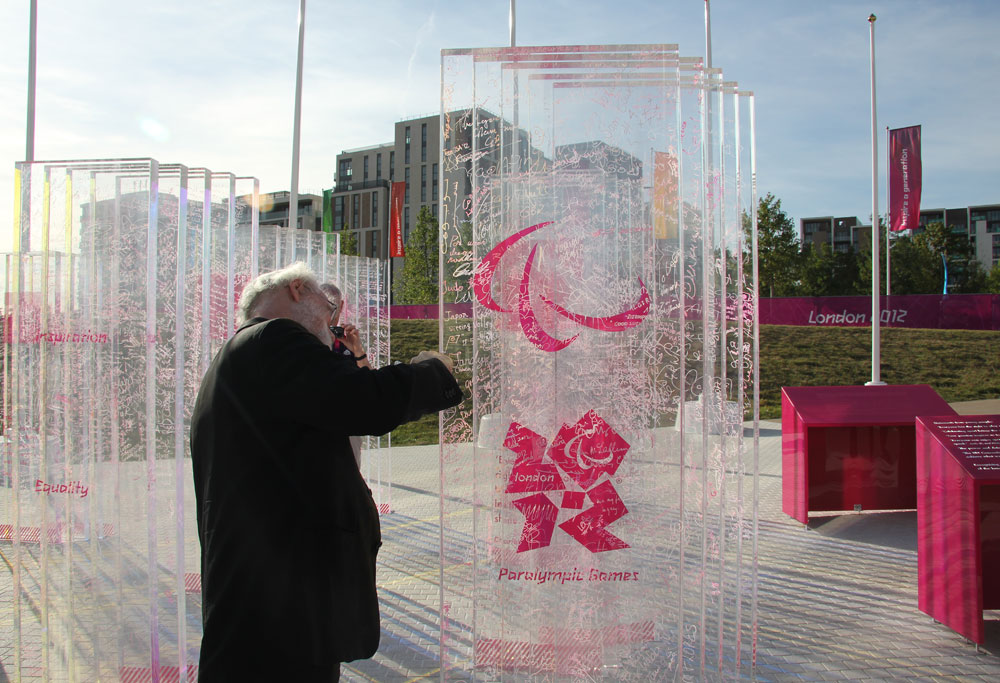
(837, 600)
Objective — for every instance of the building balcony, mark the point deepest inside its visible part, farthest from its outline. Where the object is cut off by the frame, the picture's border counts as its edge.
(349, 186)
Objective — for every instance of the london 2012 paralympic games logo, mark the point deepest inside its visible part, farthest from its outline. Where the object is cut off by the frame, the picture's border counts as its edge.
(482, 286)
(581, 453)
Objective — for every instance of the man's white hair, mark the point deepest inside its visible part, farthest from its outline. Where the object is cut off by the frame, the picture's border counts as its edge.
(333, 293)
(258, 289)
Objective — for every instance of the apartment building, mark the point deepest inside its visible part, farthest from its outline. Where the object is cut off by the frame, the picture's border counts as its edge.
(359, 200)
(980, 223)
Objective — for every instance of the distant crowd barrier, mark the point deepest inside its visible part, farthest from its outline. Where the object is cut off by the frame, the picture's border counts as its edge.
(931, 311)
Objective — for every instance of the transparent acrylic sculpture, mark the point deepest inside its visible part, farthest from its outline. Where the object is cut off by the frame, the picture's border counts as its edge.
(120, 289)
(599, 482)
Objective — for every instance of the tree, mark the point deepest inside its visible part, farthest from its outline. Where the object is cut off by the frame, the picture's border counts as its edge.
(348, 242)
(938, 240)
(993, 280)
(778, 256)
(965, 273)
(817, 270)
(418, 283)
(914, 268)
(918, 262)
(846, 271)
(864, 281)
(974, 278)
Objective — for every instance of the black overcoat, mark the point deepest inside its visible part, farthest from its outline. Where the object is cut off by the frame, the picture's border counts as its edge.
(288, 529)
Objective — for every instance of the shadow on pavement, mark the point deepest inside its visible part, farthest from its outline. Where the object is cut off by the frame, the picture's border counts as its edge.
(992, 626)
(764, 432)
(888, 529)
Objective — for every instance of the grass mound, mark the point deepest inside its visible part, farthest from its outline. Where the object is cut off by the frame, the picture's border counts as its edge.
(961, 365)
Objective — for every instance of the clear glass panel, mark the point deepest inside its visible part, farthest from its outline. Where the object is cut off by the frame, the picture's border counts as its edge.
(123, 288)
(221, 233)
(594, 485)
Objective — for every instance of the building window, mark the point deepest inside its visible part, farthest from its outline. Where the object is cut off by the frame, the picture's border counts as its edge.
(406, 147)
(378, 167)
(434, 182)
(811, 228)
(434, 210)
(375, 208)
(406, 224)
(356, 206)
(992, 218)
(423, 142)
(406, 179)
(338, 213)
(423, 184)
(366, 168)
(392, 165)
(373, 243)
(344, 174)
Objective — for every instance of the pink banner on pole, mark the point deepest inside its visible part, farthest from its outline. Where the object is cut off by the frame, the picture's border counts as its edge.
(904, 178)
(396, 248)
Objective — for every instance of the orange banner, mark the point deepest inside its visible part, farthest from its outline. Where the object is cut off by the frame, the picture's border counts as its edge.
(664, 195)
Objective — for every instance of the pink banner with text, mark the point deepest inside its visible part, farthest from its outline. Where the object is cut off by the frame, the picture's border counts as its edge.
(905, 178)
(932, 311)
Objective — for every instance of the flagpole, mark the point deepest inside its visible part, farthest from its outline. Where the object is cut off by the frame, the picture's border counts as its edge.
(708, 35)
(293, 199)
(513, 23)
(876, 308)
(29, 145)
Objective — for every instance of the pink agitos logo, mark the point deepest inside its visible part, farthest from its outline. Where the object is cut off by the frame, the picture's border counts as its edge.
(482, 286)
(583, 452)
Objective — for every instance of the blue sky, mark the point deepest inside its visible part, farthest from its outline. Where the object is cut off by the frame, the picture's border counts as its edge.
(211, 82)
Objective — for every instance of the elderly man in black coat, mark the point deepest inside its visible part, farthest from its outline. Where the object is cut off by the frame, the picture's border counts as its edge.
(288, 529)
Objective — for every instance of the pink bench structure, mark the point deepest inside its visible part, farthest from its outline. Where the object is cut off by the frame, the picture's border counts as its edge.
(958, 520)
(851, 447)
